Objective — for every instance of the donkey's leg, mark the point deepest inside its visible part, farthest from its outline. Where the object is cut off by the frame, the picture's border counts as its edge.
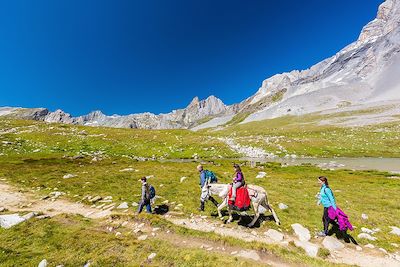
(256, 214)
(230, 219)
(268, 206)
(277, 221)
(220, 207)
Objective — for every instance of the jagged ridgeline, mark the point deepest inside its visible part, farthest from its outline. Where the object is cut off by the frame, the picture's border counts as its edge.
(364, 73)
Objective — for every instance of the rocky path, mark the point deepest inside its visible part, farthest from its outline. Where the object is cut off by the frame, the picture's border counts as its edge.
(14, 200)
(347, 255)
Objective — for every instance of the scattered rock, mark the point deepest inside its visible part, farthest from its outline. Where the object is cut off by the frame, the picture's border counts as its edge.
(2, 209)
(151, 256)
(369, 246)
(302, 232)
(41, 217)
(310, 248)
(9, 220)
(87, 264)
(367, 236)
(366, 230)
(123, 205)
(43, 263)
(332, 243)
(261, 175)
(249, 254)
(135, 204)
(274, 235)
(142, 237)
(234, 252)
(394, 245)
(56, 194)
(383, 250)
(69, 175)
(95, 199)
(282, 206)
(358, 248)
(127, 170)
(183, 179)
(395, 230)
(364, 216)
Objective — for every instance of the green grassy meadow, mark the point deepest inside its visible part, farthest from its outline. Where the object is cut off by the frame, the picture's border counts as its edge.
(34, 156)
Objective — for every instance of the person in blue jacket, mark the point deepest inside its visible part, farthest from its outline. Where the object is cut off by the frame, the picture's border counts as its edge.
(327, 200)
(204, 193)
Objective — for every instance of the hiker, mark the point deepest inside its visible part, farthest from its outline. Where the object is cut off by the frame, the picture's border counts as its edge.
(146, 196)
(206, 177)
(327, 200)
(238, 181)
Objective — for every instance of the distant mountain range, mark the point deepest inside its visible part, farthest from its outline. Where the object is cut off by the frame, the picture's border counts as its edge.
(364, 72)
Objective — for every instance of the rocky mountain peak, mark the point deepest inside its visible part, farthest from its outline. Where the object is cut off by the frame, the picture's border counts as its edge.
(387, 19)
(59, 116)
(195, 101)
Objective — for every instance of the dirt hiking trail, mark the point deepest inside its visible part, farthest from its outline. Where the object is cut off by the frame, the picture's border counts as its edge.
(15, 200)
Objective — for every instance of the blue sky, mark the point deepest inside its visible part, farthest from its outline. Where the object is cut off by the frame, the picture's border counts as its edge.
(131, 56)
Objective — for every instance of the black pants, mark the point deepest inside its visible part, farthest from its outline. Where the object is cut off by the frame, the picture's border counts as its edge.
(326, 220)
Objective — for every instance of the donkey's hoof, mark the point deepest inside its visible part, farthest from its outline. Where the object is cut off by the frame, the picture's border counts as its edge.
(278, 223)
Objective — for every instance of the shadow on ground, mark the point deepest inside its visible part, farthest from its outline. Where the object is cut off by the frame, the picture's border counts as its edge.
(245, 219)
(342, 235)
(161, 209)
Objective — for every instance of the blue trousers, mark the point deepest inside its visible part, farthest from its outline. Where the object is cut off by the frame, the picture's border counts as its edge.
(143, 203)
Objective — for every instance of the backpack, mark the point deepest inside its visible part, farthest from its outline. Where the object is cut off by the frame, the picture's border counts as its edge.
(211, 176)
(152, 192)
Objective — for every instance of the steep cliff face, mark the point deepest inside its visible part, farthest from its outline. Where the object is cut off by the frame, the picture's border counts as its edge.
(356, 74)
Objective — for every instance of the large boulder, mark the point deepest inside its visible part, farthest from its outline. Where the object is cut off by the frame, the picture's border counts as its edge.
(310, 248)
(274, 235)
(332, 243)
(9, 220)
(249, 254)
(302, 233)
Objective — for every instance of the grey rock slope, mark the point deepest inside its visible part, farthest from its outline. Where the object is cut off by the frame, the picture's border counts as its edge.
(197, 111)
(364, 71)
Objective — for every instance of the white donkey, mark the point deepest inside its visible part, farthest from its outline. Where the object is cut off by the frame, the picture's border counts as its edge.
(257, 194)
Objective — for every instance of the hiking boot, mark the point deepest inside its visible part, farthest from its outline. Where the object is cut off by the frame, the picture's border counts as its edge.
(321, 234)
(201, 208)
